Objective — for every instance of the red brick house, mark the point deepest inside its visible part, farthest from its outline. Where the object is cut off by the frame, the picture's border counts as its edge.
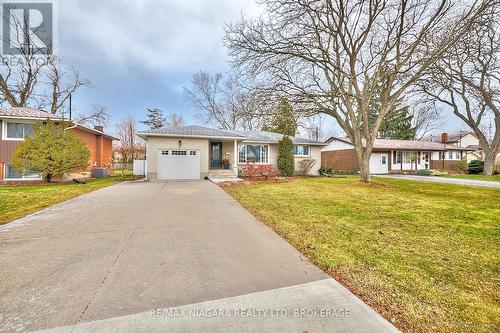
(17, 123)
(394, 156)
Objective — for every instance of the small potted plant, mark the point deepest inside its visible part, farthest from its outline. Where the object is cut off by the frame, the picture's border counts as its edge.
(225, 163)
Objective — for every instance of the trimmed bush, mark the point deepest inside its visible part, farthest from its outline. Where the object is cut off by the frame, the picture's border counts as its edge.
(424, 172)
(252, 170)
(325, 171)
(51, 151)
(305, 166)
(461, 166)
(286, 163)
(476, 166)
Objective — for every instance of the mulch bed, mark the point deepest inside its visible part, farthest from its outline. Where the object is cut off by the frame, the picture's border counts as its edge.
(258, 180)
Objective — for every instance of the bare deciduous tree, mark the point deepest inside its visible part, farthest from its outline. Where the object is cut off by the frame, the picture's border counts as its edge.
(225, 103)
(174, 120)
(130, 145)
(425, 118)
(332, 56)
(62, 85)
(35, 77)
(313, 126)
(22, 71)
(97, 116)
(467, 81)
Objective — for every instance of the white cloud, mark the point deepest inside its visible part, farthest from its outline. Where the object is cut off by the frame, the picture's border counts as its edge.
(156, 35)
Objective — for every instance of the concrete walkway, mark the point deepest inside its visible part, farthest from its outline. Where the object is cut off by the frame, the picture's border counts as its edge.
(434, 179)
(115, 259)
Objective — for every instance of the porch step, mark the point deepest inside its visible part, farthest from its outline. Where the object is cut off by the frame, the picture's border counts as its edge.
(221, 173)
(223, 179)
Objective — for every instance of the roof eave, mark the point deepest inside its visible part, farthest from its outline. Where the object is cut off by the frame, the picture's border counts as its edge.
(28, 118)
(144, 135)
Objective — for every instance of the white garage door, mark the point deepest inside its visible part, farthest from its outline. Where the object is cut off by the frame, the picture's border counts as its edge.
(178, 164)
(379, 163)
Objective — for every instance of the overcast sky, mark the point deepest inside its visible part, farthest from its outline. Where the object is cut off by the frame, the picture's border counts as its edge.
(139, 54)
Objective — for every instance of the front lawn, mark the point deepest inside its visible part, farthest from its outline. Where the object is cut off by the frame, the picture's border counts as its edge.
(425, 255)
(18, 201)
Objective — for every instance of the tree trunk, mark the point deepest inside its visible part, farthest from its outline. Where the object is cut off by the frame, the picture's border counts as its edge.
(489, 162)
(364, 170)
(363, 163)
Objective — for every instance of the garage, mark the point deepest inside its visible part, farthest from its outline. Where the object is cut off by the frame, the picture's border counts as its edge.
(178, 164)
(379, 163)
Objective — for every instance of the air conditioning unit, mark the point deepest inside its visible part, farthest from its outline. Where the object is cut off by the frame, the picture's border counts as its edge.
(99, 172)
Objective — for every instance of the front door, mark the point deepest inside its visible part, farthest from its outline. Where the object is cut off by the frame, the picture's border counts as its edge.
(215, 155)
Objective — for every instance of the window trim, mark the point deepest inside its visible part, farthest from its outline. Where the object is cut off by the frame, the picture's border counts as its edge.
(18, 179)
(260, 152)
(308, 149)
(13, 121)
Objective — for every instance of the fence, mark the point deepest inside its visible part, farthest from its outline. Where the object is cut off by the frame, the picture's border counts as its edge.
(119, 166)
(139, 167)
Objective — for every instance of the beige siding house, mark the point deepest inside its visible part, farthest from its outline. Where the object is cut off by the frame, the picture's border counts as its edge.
(196, 152)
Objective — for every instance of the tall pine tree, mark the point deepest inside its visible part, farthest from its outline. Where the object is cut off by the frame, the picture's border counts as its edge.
(284, 120)
(155, 119)
(396, 123)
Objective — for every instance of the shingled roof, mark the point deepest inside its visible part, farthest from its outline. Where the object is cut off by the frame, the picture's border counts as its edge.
(200, 131)
(34, 114)
(27, 113)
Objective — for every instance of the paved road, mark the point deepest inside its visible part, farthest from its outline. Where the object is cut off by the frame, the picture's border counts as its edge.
(103, 261)
(433, 179)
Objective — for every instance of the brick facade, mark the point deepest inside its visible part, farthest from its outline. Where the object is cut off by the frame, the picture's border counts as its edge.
(444, 165)
(100, 148)
(345, 160)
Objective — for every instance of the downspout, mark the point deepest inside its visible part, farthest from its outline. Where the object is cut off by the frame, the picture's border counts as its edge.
(146, 161)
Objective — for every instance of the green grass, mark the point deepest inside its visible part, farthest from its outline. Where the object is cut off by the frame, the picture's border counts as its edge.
(495, 178)
(18, 201)
(126, 172)
(425, 255)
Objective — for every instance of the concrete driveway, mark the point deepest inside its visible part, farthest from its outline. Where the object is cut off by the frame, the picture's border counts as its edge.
(116, 258)
(434, 179)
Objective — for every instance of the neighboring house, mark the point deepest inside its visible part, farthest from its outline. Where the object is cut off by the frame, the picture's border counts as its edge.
(393, 156)
(464, 139)
(17, 123)
(195, 152)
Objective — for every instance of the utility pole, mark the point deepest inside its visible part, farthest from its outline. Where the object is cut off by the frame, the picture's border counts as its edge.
(69, 107)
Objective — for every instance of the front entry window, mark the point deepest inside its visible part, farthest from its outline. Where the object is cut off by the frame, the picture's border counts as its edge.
(215, 154)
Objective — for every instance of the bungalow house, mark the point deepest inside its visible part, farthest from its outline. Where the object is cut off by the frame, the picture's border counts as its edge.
(195, 152)
(393, 156)
(17, 123)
